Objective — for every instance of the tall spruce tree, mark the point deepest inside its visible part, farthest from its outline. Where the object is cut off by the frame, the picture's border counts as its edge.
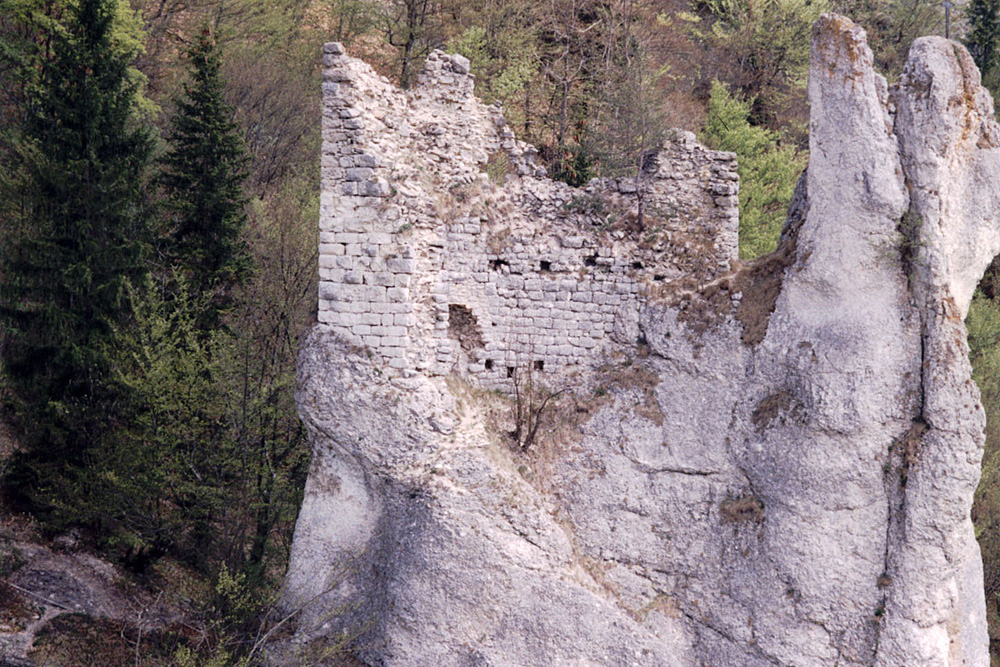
(81, 236)
(203, 176)
(984, 34)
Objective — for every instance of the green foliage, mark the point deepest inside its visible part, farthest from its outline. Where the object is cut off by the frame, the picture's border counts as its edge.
(502, 46)
(352, 19)
(768, 170)
(504, 63)
(983, 37)
(983, 324)
(203, 177)
(763, 47)
(161, 487)
(236, 607)
(27, 31)
(208, 458)
(77, 237)
(574, 165)
(158, 415)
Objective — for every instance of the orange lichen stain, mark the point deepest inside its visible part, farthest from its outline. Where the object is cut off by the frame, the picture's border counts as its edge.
(836, 35)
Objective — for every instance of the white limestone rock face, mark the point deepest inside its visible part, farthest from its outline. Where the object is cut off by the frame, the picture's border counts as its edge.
(766, 465)
(935, 613)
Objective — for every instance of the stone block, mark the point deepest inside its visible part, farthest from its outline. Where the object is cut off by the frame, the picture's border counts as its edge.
(358, 173)
(401, 265)
(330, 291)
(377, 188)
(375, 294)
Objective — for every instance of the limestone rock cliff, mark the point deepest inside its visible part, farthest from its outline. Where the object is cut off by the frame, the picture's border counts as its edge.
(762, 464)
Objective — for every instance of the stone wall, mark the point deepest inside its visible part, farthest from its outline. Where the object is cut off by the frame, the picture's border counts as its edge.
(443, 244)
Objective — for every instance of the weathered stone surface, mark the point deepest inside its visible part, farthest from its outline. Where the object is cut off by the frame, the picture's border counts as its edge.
(765, 464)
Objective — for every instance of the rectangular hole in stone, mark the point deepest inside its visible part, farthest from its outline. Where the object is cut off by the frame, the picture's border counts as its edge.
(463, 327)
(539, 364)
(510, 371)
(637, 265)
(498, 264)
(659, 277)
(546, 265)
(489, 364)
(590, 260)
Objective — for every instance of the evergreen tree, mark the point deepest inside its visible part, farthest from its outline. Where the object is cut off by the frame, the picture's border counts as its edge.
(80, 238)
(984, 32)
(203, 176)
(768, 169)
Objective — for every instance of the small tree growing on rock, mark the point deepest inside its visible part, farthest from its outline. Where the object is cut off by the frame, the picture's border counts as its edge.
(532, 403)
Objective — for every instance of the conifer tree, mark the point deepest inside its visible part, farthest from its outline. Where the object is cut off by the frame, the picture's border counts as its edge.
(984, 33)
(203, 176)
(81, 237)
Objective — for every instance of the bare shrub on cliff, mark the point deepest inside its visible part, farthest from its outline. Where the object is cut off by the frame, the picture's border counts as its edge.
(532, 405)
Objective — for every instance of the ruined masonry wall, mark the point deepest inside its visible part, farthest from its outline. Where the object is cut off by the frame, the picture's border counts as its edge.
(443, 243)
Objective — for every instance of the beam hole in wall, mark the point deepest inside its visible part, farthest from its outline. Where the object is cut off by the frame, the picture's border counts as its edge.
(463, 327)
(539, 364)
(498, 264)
(636, 265)
(510, 371)
(659, 277)
(488, 365)
(546, 265)
(590, 260)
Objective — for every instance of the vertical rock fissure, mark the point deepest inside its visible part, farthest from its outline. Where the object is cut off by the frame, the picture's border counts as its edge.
(899, 457)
